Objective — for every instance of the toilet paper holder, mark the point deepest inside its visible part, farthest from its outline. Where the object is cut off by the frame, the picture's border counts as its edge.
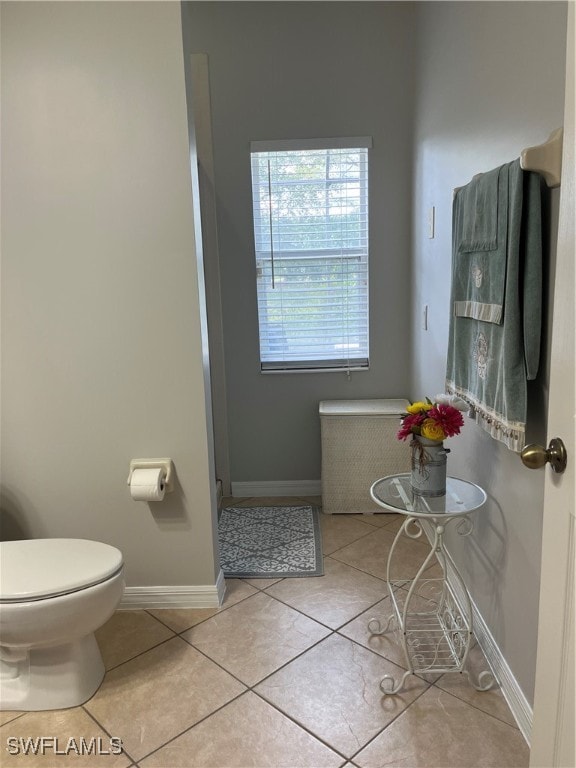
(165, 464)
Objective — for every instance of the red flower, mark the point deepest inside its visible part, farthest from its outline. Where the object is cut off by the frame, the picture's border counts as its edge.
(447, 417)
(409, 422)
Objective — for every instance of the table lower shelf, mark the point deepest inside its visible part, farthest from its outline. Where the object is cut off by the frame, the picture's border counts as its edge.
(434, 630)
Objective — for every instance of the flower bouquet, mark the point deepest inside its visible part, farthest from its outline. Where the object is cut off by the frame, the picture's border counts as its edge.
(432, 420)
(429, 423)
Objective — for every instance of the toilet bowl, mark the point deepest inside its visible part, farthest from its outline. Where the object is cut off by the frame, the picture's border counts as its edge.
(54, 594)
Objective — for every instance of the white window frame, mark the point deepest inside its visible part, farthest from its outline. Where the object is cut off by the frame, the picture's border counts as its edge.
(347, 362)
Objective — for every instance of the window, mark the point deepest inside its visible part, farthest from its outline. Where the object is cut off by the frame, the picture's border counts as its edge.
(310, 207)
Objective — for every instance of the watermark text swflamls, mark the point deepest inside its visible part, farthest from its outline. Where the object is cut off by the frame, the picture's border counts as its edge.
(44, 745)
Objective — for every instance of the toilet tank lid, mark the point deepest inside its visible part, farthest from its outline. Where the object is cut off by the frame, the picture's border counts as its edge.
(40, 568)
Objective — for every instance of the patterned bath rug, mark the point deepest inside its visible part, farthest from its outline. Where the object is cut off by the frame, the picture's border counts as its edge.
(268, 542)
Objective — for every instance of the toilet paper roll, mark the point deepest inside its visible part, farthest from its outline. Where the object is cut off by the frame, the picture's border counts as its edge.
(148, 484)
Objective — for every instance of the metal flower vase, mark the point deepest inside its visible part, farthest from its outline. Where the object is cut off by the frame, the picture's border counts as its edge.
(428, 476)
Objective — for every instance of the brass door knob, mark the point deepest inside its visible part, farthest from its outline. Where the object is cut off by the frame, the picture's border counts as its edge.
(535, 456)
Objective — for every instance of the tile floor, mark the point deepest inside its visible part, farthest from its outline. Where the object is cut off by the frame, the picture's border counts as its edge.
(283, 674)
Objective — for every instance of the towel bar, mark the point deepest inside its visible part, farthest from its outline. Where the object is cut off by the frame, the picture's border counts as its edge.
(545, 158)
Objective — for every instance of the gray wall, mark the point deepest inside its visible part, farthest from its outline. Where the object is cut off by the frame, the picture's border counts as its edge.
(300, 70)
(102, 322)
(490, 82)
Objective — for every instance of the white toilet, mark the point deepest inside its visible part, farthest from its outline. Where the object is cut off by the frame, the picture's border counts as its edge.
(54, 593)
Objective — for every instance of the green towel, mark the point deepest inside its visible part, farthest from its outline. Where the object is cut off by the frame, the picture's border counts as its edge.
(480, 213)
(489, 363)
(480, 246)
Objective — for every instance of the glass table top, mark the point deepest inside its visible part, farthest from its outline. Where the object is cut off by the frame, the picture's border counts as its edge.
(395, 493)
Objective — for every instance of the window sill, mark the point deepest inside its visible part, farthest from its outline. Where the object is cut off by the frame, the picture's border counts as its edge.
(352, 369)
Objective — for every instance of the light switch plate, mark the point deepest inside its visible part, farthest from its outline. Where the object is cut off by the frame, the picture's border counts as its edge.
(431, 221)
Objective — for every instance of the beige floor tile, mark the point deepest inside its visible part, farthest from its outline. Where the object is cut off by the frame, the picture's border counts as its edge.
(492, 701)
(255, 637)
(181, 619)
(440, 730)
(68, 731)
(232, 501)
(384, 519)
(157, 695)
(315, 501)
(340, 530)
(238, 501)
(394, 523)
(333, 691)
(335, 598)
(127, 634)
(261, 583)
(370, 554)
(248, 733)
(434, 571)
(387, 644)
(8, 715)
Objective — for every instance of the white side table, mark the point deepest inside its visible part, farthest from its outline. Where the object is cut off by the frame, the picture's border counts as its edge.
(432, 616)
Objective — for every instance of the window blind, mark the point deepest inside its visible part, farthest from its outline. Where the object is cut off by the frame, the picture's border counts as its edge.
(310, 208)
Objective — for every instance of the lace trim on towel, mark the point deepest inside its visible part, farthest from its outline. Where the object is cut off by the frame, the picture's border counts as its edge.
(489, 313)
(511, 433)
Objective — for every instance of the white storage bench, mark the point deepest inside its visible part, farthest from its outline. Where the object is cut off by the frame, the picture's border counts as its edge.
(359, 446)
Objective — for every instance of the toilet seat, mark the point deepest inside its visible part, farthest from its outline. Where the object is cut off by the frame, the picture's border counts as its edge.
(37, 569)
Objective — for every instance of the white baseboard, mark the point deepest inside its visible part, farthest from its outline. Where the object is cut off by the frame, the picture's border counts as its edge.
(511, 690)
(201, 596)
(277, 488)
(517, 701)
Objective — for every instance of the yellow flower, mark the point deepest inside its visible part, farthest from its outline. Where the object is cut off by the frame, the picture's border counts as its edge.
(432, 430)
(418, 407)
